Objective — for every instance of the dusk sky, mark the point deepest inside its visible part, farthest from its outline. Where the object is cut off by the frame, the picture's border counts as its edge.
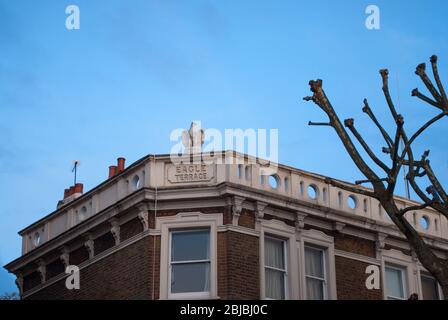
(136, 70)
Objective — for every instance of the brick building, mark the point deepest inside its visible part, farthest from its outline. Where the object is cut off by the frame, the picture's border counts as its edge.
(159, 230)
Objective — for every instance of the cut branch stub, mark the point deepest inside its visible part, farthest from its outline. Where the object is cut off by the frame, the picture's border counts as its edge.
(399, 120)
(385, 76)
(420, 70)
(315, 85)
(366, 108)
(349, 122)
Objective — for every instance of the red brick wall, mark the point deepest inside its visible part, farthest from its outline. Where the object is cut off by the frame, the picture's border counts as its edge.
(238, 266)
(79, 255)
(125, 274)
(354, 244)
(104, 242)
(130, 273)
(31, 280)
(55, 268)
(350, 280)
(130, 229)
(247, 219)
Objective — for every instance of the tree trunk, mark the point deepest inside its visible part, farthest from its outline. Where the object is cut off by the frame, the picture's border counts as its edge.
(445, 291)
(435, 265)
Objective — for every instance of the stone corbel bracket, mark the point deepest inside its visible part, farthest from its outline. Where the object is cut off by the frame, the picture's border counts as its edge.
(115, 229)
(65, 256)
(19, 282)
(237, 207)
(338, 226)
(42, 270)
(260, 210)
(143, 215)
(89, 245)
(380, 241)
(300, 220)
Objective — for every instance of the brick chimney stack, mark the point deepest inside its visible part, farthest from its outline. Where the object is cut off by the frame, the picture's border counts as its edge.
(76, 189)
(112, 171)
(120, 164)
(119, 168)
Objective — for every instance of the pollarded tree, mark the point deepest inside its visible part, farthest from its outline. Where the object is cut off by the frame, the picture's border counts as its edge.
(383, 177)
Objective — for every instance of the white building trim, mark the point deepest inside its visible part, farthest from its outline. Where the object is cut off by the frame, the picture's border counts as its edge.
(279, 229)
(315, 238)
(187, 220)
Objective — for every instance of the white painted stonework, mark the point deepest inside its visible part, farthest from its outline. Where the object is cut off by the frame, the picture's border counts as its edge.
(296, 191)
(189, 173)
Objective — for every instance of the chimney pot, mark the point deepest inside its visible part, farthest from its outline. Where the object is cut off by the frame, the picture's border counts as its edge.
(66, 193)
(112, 171)
(78, 188)
(120, 164)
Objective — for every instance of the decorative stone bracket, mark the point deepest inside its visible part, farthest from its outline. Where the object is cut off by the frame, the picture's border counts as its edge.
(338, 226)
(380, 241)
(65, 256)
(89, 245)
(42, 270)
(143, 215)
(300, 220)
(237, 206)
(19, 282)
(115, 230)
(259, 210)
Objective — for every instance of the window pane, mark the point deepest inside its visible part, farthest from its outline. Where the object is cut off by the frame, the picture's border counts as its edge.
(314, 262)
(190, 245)
(273, 252)
(429, 288)
(314, 289)
(190, 277)
(394, 283)
(275, 284)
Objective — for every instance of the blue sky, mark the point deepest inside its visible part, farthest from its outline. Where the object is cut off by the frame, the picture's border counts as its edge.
(138, 69)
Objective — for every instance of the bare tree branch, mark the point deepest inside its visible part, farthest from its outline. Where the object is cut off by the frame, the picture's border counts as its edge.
(322, 101)
(420, 131)
(418, 94)
(349, 188)
(358, 182)
(319, 123)
(395, 165)
(415, 208)
(435, 182)
(435, 72)
(385, 77)
(417, 169)
(350, 123)
(366, 109)
(421, 72)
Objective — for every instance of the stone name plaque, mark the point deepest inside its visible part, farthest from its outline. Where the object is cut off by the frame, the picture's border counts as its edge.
(190, 173)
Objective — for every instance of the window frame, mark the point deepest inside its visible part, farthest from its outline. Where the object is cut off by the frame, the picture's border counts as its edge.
(396, 258)
(318, 240)
(285, 271)
(182, 295)
(279, 230)
(425, 274)
(324, 280)
(403, 272)
(187, 220)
